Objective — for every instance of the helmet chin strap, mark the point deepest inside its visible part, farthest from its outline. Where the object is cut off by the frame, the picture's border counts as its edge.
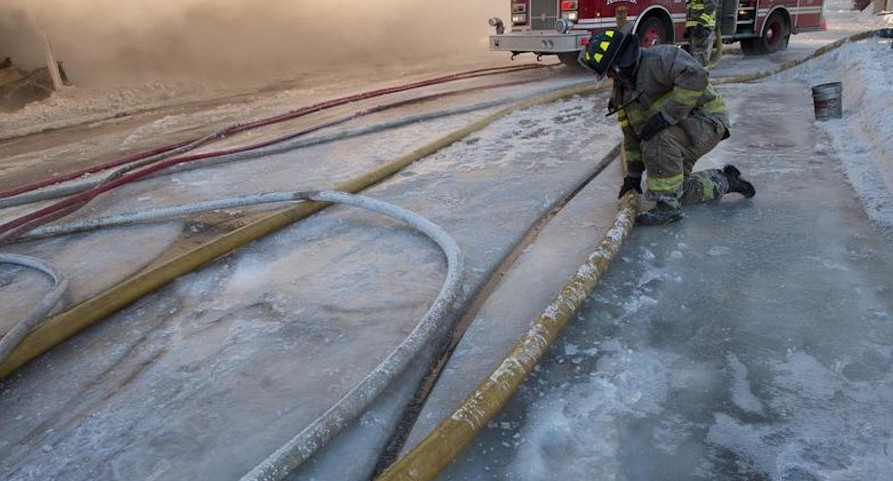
(625, 105)
(625, 82)
(626, 74)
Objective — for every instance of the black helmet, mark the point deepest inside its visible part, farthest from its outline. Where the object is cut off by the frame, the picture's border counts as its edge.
(610, 49)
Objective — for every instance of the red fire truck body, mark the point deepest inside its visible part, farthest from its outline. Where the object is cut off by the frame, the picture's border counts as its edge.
(563, 27)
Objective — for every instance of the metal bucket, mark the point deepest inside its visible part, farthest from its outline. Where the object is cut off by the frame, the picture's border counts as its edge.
(826, 99)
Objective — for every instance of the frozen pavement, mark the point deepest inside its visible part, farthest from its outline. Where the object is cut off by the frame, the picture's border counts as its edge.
(751, 341)
(243, 354)
(207, 377)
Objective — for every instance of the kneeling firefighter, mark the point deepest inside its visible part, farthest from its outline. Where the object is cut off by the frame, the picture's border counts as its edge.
(670, 116)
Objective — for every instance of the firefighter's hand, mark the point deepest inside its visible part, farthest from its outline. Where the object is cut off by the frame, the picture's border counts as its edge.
(630, 183)
(653, 126)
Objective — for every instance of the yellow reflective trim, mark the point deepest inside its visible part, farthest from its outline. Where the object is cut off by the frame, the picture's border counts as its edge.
(683, 96)
(715, 106)
(707, 190)
(624, 122)
(604, 46)
(637, 117)
(598, 57)
(609, 33)
(664, 184)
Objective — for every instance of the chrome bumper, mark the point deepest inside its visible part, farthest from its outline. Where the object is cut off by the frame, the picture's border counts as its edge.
(538, 42)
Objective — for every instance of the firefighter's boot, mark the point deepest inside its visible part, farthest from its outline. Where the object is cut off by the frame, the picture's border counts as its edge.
(737, 183)
(662, 213)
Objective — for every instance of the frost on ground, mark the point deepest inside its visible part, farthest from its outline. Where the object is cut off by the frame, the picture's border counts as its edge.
(73, 106)
(752, 340)
(658, 369)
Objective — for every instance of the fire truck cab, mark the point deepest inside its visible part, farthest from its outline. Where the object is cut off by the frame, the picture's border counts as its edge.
(563, 27)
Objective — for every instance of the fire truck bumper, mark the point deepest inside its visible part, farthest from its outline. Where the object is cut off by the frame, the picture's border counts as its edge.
(537, 42)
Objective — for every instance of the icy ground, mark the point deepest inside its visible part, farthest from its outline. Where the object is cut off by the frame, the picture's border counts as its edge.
(749, 342)
(752, 341)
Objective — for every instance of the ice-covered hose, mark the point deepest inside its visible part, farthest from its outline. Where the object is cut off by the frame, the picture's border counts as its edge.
(281, 144)
(451, 436)
(444, 443)
(156, 162)
(66, 324)
(350, 406)
(162, 213)
(271, 120)
(81, 185)
(15, 228)
(40, 312)
(304, 444)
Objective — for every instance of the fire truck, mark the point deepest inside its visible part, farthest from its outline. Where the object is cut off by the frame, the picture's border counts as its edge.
(563, 27)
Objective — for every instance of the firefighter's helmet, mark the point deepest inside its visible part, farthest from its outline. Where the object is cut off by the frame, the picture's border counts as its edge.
(610, 49)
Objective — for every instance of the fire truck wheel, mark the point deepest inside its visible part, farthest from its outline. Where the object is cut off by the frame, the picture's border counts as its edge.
(775, 37)
(569, 59)
(653, 31)
(748, 46)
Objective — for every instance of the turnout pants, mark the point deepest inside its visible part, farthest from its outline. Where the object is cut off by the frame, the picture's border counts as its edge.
(670, 156)
(701, 42)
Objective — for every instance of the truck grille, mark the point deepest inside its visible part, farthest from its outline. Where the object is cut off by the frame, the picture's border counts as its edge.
(543, 14)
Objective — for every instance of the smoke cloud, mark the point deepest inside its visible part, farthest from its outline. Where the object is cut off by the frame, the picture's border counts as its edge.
(112, 41)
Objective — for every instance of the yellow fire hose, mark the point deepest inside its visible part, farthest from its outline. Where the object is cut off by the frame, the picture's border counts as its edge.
(449, 438)
(64, 325)
(440, 447)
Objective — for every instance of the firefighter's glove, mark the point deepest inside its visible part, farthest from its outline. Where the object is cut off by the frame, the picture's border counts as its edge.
(653, 126)
(630, 183)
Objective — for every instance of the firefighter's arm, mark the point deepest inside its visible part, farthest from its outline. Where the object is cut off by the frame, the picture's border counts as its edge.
(689, 80)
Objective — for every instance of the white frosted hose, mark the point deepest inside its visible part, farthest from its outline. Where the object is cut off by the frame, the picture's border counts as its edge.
(319, 432)
(82, 184)
(159, 214)
(40, 312)
(351, 405)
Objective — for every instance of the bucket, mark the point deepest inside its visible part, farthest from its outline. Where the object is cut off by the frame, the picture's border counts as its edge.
(826, 99)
